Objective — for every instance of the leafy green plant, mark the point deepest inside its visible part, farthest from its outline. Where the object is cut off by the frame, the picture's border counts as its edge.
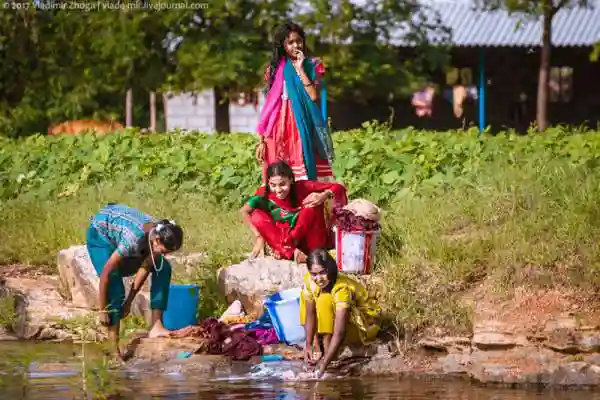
(8, 313)
(373, 162)
(460, 208)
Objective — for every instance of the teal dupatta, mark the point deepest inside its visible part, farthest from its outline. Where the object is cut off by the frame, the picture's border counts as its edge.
(309, 120)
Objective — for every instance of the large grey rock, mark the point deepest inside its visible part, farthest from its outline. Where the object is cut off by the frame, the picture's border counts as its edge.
(6, 335)
(79, 283)
(489, 334)
(497, 340)
(532, 365)
(43, 314)
(449, 344)
(453, 364)
(252, 280)
(78, 278)
(573, 374)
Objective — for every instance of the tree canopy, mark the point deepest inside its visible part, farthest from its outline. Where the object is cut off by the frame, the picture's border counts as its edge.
(60, 64)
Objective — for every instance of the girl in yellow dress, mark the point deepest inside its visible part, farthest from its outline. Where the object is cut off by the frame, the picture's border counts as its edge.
(335, 307)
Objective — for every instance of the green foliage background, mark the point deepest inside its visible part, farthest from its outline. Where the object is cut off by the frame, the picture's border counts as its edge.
(373, 162)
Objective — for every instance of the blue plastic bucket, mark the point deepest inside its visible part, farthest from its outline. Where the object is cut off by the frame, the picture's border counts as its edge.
(284, 309)
(182, 306)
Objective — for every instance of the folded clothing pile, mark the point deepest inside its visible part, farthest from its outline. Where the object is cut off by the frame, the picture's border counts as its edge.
(235, 314)
(358, 215)
(233, 334)
(262, 329)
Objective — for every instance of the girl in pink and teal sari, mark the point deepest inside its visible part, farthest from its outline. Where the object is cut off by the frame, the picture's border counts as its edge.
(291, 127)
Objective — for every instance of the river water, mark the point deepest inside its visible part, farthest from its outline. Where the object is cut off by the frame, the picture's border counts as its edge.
(55, 372)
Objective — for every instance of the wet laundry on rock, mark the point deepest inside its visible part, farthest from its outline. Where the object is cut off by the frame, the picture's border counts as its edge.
(221, 340)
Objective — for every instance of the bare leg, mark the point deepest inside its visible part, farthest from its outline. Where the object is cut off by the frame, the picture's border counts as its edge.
(157, 329)
(326, 342)
(113, 336)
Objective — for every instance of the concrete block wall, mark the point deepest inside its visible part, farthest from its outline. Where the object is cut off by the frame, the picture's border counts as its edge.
(245, 118)
(186, 111)
(191, 112)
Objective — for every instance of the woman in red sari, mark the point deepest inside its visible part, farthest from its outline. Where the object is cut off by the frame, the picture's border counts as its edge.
(288, 215)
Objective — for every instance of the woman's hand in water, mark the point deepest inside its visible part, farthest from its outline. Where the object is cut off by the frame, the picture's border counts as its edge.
(316, 371)
(308, 357)
(320, 371)
(315, 199)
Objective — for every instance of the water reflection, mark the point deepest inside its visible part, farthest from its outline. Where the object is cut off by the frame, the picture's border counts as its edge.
(52, 373)
(372, 388)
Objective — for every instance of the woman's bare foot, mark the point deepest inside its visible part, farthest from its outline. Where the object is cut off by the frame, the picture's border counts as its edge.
(158, 330)
(116, 359)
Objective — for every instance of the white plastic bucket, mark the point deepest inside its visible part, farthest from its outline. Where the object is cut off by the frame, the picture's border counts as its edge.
(355, 251)
(284, 309)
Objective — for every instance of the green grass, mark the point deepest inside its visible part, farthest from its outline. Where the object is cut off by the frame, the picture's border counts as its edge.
(522, 213)
(8, 315)
(510, 226)
(35, 229)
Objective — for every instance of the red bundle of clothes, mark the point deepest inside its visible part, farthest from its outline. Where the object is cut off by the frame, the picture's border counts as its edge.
(237, 344)
(347, 221)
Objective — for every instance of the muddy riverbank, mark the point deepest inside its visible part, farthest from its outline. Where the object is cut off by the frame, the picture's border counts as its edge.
(538, 337)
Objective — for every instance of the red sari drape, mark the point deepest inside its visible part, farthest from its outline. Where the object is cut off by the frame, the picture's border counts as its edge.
(285, 144)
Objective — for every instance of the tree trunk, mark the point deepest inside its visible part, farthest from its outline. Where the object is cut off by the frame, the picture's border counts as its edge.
(542, 95)
(222, 124)
(165, 110)
(152, 111)
(129, 108)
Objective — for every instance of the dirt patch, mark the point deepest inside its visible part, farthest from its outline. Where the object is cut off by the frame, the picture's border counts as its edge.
(531, 309)
(26, 271)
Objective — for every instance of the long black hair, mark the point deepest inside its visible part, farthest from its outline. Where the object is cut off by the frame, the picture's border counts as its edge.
(169, 233)
(323, 258)
(279, 36)
(282, 169)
